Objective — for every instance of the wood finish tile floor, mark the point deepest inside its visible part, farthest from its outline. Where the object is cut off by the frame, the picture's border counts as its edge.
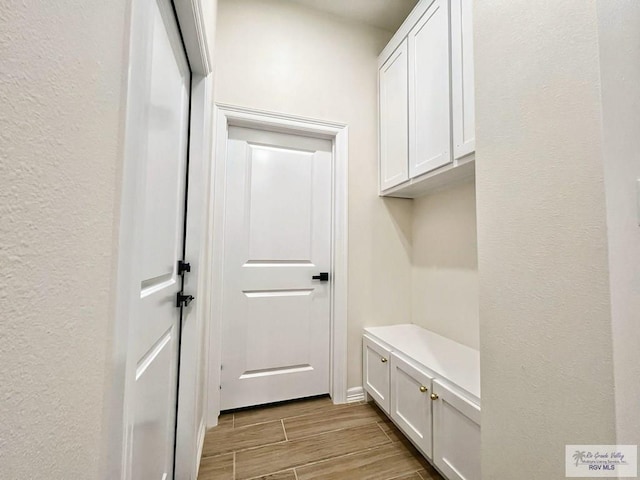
(308, 440)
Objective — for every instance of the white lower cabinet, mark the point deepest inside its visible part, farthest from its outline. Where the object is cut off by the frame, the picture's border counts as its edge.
(430, 388)
(410, 403)
(375, 364)
(456, 434)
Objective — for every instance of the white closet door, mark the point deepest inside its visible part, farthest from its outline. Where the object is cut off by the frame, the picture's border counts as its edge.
(160, 91)
(394, 130)
(429, 91)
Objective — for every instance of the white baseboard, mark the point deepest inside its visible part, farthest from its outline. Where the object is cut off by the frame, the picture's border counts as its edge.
(355, 394)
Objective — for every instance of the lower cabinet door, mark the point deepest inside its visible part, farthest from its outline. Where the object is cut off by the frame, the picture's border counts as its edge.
(456, 434)
(375, 370)
(410, 402)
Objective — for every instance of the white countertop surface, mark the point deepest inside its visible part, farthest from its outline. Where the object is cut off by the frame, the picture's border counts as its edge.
(453, 361)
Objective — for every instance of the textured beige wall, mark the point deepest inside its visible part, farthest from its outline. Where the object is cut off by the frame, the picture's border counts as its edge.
(444, 276)
(61, 76)
(619, 27)
(279, 56)
(545, 323)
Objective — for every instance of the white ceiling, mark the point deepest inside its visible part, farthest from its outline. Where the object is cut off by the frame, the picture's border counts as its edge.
(386, 14)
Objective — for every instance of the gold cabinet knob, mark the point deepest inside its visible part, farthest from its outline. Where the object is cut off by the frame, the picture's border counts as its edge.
(423, 388)
(383, 360)
(434, 396)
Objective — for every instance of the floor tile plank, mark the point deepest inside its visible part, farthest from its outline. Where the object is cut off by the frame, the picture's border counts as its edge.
(381, 463)
(225, 421)
(410, 476)
(220, 440)
(216, 468)
(295, 453)
(394, 434)
(348, 416)
(324, 441)
(282, 410)
(288, 475)
(430, 473)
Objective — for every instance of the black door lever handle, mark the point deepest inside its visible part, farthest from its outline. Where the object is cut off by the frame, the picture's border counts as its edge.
(183, 300)
(323, 277)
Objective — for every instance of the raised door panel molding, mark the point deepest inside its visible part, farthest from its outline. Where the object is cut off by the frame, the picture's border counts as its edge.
(462, 78)
(456, 434)
(410, 403)
(394, 141)
(376, 372)
(429, 91)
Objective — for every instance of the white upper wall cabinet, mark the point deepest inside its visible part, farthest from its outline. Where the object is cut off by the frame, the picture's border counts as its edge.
(429, 92)
(394, 100)
(463, 97)
(428, 64)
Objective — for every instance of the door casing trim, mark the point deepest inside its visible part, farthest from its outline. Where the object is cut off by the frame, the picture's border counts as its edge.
(230, 115)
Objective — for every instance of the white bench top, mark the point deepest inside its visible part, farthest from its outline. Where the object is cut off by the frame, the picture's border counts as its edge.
(457, 363)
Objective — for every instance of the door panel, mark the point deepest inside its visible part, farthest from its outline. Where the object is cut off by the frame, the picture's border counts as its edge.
(280, 182)
(456, 434)
(410, 402)
(429, 110)
(280, 311)
(394, 117)
(160, 88)
(168, 108)
(276, 320)
(155, 377)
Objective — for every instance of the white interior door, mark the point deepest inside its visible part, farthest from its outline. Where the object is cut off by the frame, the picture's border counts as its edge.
(276, 318)
(160, 81)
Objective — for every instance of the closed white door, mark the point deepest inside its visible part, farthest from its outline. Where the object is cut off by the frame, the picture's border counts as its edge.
(394, 118)
(276, 318)
(429, 91)
(160, 79)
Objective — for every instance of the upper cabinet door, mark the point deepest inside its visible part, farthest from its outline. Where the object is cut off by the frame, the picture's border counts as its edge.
(462, 78)
(429, 89)
(394, 132)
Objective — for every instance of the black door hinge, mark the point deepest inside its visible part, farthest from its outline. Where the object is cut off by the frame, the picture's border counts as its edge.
(183, 267)
(183, 300)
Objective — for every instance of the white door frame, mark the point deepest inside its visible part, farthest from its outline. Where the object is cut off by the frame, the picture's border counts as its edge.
(195, 28)
(228, 115)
